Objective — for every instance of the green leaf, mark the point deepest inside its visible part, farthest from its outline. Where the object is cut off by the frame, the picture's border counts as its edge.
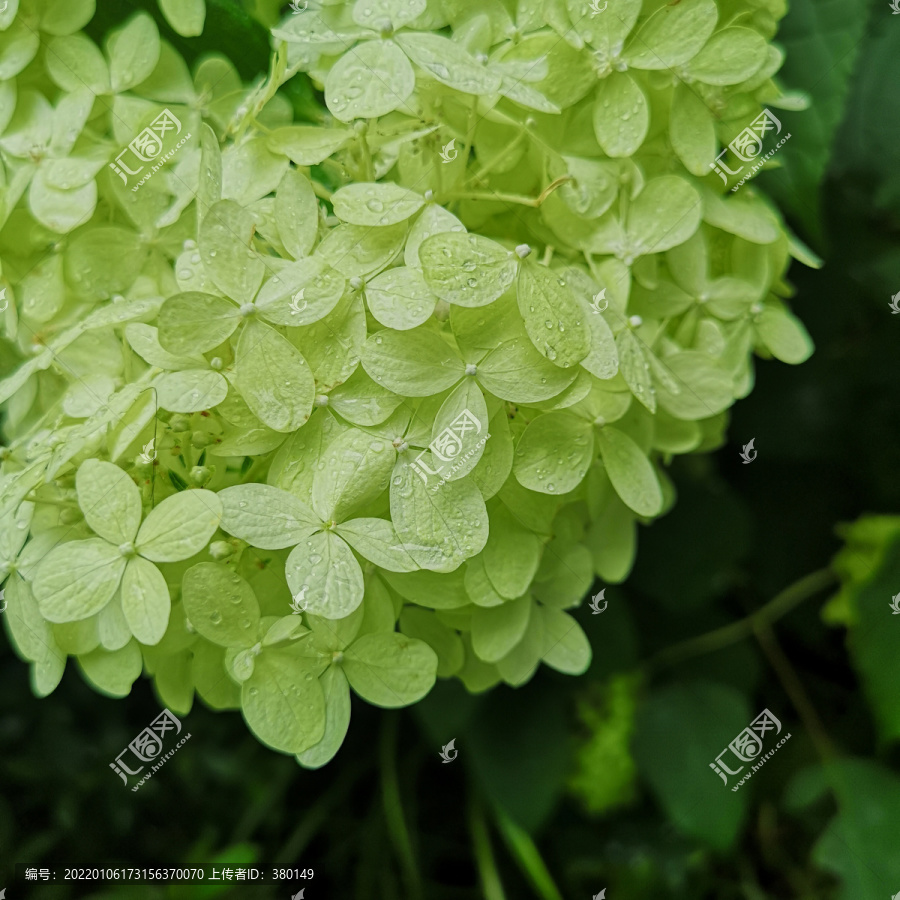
(447, 62)
(62, 17)
(706, 388)
(32, 636)
(355, 250)
(425, 626)
(74, 61)
(113, 672)
(180, 526)
(77, 579)
(692, 130)
(273, 377)
(376, 540)
(554, 453)
(357, 467)
(282, 707)
(496, 630)
(307, 145)
(185, 16)
(672, 35)
(630, 471)
(515, 371)
(731, 55)
(666, 751)
(133, 52)
(265, 516)
(145, 601)
(460, 430)
(466, 269)
(297, 213)
(748, 217)
(191, 390)
(439, 525)
(666, 213)
(337, 719)
(553, 318)
(109, 499)
(621, 115)
(566, 647)
(784, 335)
(635, 369)
(400, 298)
(415, 363)
(323, 572)
(194, 322)
(496, 461)
(368, 81)
(390, 670)
(375, 204)
(362, 401)
(301, 293)
(220, 604)
(226, 239)
(436, 591)
(400, 12)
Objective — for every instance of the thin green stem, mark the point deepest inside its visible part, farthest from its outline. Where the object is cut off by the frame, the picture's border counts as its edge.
(393, 808)
(491, 885)
(509, 198)
(778, 606)
(528, 857)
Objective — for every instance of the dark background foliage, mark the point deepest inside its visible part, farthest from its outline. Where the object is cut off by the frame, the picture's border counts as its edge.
(567, 786)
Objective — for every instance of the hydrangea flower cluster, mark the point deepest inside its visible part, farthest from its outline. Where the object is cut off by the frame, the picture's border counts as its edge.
(298, 408)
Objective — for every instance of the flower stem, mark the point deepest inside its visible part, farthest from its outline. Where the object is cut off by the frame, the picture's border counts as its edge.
(778, 606)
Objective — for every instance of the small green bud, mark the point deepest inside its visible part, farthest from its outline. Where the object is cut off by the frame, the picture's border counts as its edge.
(200, 475)
(221, 550)
(180, 423)
(201, 439)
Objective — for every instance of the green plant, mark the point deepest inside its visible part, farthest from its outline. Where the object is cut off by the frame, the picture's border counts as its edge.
(335, 367)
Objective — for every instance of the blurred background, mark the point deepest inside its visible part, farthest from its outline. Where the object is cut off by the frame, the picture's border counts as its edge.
(571, 786)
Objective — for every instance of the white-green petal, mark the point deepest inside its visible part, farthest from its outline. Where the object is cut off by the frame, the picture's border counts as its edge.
(390, 670)
(145, 601)
(265, 516)
(77, 579)
(337, 719)
(497, 629)
(180, 526)
(324, 576)
(220, 605)
(630, 471)
(466, 269)
(109, 499)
